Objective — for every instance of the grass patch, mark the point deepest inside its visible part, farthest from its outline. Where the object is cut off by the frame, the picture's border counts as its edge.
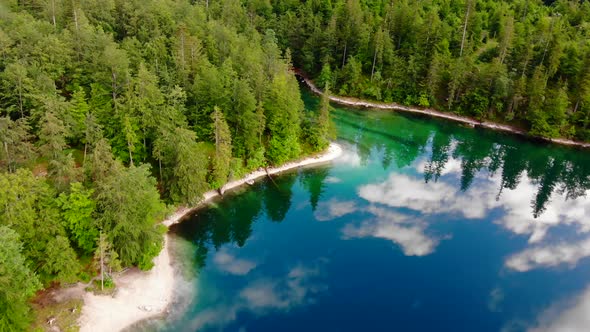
(96, 289)
(63, 316)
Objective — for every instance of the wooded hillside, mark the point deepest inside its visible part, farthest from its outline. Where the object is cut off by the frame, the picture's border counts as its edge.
(109, 109)
(525, 62)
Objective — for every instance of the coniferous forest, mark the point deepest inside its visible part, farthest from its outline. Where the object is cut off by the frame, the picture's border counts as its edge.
(522, 62)
(111, 111)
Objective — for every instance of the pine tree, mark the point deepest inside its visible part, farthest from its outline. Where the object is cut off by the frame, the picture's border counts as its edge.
(223, 148)
(106, 259)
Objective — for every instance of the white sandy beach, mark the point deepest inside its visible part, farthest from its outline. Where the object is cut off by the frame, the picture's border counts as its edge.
(141, 295)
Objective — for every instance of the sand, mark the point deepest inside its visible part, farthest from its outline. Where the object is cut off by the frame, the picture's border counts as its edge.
(139, 295)
(142, 295)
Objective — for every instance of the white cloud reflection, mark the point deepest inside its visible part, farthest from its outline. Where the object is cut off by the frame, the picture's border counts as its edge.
(549, 256)
(227, 262)
(401, 190)
(263, 294)
(566, 316)
(495, 300)
(332, 179)
(333, 209)
(349, 156)
(290, 291)
(401, 229)
(511, 209)
(445, 197)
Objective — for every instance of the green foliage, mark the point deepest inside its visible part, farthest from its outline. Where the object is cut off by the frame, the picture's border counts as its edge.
(106, 260)
(130, 85)
(52, 136)
(183, 165)
(77, 210)
(29, 207)
(222, 158)
(17, 283)
(319, 129)
(78, 114)
(17, 149)
(551, 119)
(129, 206)
(61, 261)
(325, 77)
(490, 60)
(283, 107)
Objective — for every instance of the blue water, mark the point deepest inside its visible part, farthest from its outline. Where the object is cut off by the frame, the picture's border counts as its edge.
(420, 225)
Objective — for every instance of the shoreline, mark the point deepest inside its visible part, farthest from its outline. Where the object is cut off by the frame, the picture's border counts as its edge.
(143, 295)
(355, 102)
(333, 152)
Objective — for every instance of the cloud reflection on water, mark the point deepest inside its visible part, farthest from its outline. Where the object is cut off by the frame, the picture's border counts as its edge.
(263, 294)
(227, 262)
(566, 316)
(549, 256)
(401, 229)
(446, 198)
(334, 208)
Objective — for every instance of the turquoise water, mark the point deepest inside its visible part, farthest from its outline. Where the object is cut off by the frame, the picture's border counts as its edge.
(420, 225)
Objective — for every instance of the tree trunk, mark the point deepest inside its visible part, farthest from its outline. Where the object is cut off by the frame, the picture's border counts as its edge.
(85, 149)
(344, 54)
(53, 12)
(160, 166)
(217, 133)
(20, 97)
(101, 263)
(129, 145)
(465, 28)
(547, 43)
(526, 63)
(373, 68)
(114, 87)
(182, 51)
(576, 107)
(75, 16)
(7, 156)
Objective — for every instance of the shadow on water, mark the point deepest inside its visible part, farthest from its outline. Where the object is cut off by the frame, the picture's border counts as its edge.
(230, 220)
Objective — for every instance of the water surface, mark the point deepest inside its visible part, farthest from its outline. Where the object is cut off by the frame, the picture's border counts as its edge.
(420, 225)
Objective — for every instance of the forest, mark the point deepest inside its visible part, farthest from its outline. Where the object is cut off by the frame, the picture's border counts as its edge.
(522, 62)
(112, 112)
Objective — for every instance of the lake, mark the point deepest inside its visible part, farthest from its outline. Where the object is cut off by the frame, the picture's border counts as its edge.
(421, 225)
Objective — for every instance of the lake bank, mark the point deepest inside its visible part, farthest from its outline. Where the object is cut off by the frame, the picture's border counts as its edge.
(333, 152)
(365, 243)
(355, 102)
(143, 295)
